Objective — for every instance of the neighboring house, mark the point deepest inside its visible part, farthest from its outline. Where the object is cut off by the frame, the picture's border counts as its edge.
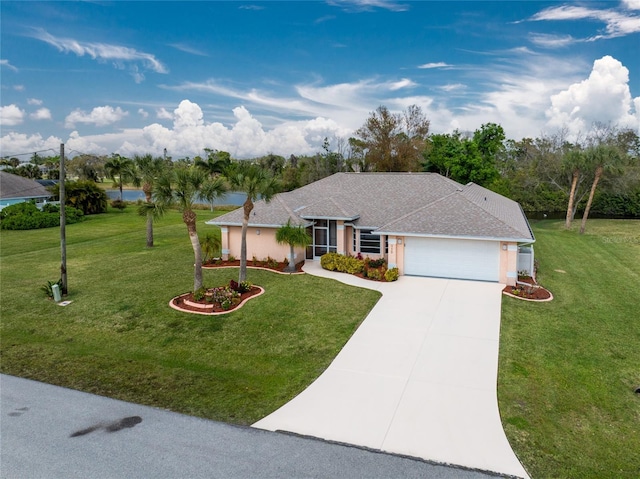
(16, 189)
(423, 223)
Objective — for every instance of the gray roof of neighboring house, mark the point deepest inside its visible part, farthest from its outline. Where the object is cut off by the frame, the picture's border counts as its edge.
(14, 186)
(402, 203)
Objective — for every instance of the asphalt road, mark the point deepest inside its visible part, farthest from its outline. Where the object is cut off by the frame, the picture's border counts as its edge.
(51, 432)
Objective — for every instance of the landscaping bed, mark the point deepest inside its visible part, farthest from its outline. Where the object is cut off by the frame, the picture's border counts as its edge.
(527, 288)
(270, 264)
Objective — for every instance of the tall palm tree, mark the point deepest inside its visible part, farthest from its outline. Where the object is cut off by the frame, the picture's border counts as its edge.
(293, 236)
(182, 186)
(256, 183)
(147, 171)
(121, 168)
(603, 158)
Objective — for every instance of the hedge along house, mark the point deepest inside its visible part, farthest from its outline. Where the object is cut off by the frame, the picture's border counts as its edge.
(423, 223)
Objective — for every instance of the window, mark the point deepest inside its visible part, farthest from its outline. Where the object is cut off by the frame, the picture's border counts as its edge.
(369, 243)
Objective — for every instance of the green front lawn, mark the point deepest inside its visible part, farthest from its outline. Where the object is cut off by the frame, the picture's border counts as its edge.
(119, 338)
(568, 368)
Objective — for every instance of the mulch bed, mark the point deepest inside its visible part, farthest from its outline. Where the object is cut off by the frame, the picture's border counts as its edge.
(182, 302)
(273, 266)
(530, 290)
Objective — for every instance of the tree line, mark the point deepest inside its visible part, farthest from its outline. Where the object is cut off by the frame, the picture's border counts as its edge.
(551, 174)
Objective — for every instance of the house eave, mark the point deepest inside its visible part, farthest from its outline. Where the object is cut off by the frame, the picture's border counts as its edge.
(331, 218)
(460, 237)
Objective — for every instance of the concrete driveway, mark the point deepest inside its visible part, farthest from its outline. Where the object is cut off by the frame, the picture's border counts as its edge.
(417, 378)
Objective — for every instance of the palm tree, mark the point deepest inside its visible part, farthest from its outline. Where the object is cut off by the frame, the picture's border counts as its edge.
(603, 158)
(147, 171)
(120, 167)
(183, 186)
(256, 183)
(293, 236)
(215, 164)
(212, 189)
(573, 161)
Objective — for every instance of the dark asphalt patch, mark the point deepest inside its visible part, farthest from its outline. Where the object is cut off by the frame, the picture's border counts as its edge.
(115, 426)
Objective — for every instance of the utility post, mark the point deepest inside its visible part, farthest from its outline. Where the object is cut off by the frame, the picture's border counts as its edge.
(63, 225)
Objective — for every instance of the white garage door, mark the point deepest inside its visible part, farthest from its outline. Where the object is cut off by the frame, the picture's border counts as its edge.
(452, 258)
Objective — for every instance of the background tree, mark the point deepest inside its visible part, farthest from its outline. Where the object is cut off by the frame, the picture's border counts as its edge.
(464, 158)
(119, 169)
(215, 163)
(392, 142)
(293, 236)
(146, 172)
(256, 183)
(182, 186)
(86, 167)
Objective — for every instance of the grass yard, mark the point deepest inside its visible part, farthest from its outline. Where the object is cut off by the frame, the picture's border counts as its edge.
(119, 338)
(568, 368)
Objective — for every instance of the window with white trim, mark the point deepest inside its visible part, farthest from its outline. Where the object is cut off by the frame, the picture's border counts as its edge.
(369, 243)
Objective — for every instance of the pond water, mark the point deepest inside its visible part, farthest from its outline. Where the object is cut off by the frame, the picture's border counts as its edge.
(232, 198)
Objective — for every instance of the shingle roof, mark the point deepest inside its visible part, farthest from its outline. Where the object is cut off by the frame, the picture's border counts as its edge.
(402, 203)
(14, 186)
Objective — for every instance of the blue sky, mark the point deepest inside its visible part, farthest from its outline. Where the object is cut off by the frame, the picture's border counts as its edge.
(260, 77)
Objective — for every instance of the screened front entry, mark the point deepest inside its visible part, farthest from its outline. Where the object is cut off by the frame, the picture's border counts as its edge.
(325, 238)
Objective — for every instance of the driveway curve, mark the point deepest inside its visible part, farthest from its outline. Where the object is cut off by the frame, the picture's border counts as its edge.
(417, 378)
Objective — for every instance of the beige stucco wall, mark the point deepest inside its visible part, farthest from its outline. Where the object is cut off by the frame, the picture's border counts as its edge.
(508, 263)
(261, 243)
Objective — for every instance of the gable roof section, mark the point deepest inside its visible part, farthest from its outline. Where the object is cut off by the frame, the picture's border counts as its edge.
(14, 186)
(452, 216)
(328, 209)
(401, 203)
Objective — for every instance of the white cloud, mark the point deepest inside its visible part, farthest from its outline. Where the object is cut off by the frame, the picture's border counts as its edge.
(41, 114)
(99, 116)
(18, 87)
(76, 143)
(105, 52)
(604, 97)
(552, 41)
(143, 113)
(368, 5)
(5, 63)
(434, 65)
(631, 4)
(163, 114)
(15, 143)
(34, 101)
(188, 49)
(617, 23)
(245, 137)
(452, 87)
(11, 115)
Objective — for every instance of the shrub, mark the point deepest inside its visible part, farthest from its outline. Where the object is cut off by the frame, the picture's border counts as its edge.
(118, 204)
(84, 195)
(392, 274)
(26, 216)
(199, 294)
(374, 274)
(48, 287)
(341, 263)
(376, 263)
